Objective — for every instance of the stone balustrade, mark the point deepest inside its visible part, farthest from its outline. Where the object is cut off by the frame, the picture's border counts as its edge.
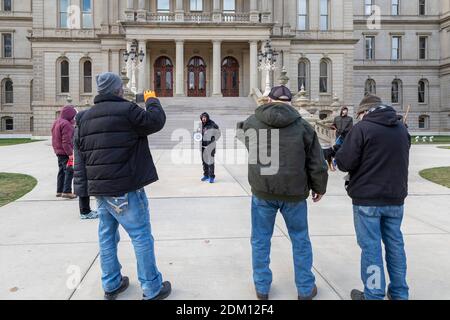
(194, 17)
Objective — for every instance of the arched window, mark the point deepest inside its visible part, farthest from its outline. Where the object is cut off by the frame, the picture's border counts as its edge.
(424, 122)
(303, 75)
(7, 124)
(87, 76)
(423, 91)
(370, 87)
(397, 92)
(8, 91)
(64, 75)
(324, 76)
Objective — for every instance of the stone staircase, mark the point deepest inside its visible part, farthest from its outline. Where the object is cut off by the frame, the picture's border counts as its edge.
(183, 117)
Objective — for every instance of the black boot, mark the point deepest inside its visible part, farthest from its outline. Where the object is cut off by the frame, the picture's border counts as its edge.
(164, 293)
(357, 295)
(123, 287)
(310, 297)
(261, 296)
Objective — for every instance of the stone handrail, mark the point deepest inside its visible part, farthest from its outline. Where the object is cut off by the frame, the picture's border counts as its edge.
(324, 131)
(197, 17)
(161, 17)
(236, 17)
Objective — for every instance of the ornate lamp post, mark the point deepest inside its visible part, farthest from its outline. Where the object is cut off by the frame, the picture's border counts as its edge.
(135, 58)
(267, 63)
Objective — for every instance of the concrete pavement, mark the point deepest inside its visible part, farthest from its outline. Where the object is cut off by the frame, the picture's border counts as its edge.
(202, 235)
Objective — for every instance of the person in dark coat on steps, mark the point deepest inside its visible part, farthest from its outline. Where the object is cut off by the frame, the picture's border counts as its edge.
(296, 167)
(113, 143)
(62, 142)
(211, 134)
(376, 156)
(342, 124)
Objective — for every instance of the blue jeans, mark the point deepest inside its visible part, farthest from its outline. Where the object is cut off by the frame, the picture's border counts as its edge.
(263, 222)
(132, 213)
(373, 225)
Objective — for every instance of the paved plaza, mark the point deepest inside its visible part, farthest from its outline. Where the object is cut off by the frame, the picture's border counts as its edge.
(202, 235)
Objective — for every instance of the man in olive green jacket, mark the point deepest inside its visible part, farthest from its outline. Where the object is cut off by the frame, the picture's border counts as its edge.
(286, 163)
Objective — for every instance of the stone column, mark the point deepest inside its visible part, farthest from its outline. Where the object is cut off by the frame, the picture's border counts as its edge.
(179, 88)
(179, 11)
(217, 68)
(129, 12)
(142, 12)
(253, 66)
(217, 11)
(254, 13)
(142, 67)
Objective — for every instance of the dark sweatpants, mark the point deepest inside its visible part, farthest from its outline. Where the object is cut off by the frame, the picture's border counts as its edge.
(208, 164)
(85, 205)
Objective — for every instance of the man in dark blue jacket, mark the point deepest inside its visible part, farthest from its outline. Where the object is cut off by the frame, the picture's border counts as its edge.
(115, 160)
(376, 156)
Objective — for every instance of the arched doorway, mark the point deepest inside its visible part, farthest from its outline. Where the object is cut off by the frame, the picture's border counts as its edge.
(163, 81)
(196, 77)
(230, 77)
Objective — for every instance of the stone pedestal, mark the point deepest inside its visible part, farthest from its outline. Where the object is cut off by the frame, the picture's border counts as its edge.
(130, 15)
(141, 16)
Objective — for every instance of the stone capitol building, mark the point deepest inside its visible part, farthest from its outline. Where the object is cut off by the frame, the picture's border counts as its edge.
(51, 51)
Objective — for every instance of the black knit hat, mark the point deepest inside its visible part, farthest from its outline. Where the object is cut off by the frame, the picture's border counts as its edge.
(370, 101)
(281, 93)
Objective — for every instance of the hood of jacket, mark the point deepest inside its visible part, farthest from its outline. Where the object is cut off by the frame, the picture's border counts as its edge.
(277, 115)
(68, 113)
(205, 114)
(385, 116)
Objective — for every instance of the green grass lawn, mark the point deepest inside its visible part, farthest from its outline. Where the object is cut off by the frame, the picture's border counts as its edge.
(14, 186)
(437, 175)
(436, 140)
(444, 147)
(11, 142)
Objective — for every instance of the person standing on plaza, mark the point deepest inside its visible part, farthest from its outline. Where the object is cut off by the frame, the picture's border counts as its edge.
(113, 142)
(80, 180)
(210, 135)
(62, 136)
(297, 167)
(376, 156)
(342, 124)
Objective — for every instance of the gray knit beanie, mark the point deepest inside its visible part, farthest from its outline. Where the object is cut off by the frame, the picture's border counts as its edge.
(108, 83)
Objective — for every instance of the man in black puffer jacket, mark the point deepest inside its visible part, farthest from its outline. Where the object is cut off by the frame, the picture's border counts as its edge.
(115, 159)
(376, 155)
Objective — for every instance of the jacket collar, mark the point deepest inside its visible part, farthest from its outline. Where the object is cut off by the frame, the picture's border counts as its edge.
(108, 98)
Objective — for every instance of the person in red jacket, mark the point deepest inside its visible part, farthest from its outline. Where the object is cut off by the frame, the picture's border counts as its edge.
(62, 141)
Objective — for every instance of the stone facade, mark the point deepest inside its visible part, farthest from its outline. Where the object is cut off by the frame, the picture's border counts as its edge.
(50, 55)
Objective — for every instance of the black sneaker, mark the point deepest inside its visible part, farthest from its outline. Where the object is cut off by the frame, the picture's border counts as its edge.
(357, 295)
(261, 296)
(123, 287)
(164, 293)
(310, 297)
